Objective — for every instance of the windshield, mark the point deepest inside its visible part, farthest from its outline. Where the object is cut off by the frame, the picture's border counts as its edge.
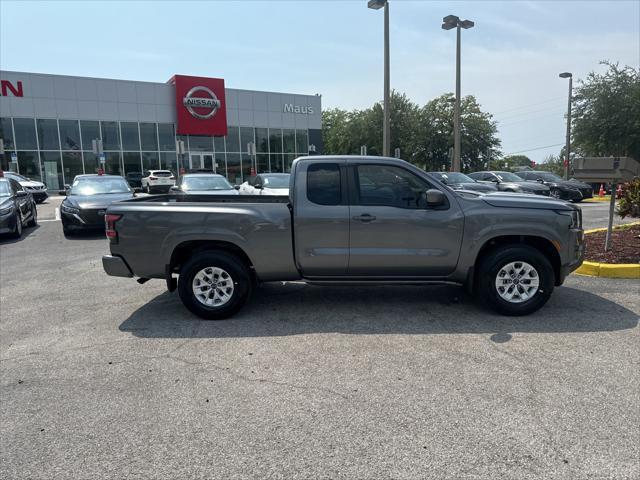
(208, 182)
(97, 186)
(276, 181)
(455, 177)
(5, 191)
(508, 177)
(16, 177)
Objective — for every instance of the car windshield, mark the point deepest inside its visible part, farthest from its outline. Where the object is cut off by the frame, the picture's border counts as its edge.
(5, 191)
(276, 181)
(548, 176)
(455, 177)
(508, 177)
(16, 177)
(97, 186)
(208, 182)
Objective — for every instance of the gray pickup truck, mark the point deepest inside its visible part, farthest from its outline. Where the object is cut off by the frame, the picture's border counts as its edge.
(348, 220)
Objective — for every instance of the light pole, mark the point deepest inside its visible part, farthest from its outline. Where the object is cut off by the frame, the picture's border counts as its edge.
(568, 146)
(386, 123)
(449, 22)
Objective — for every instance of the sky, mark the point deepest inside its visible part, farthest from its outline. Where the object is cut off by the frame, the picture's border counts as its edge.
(510, 59)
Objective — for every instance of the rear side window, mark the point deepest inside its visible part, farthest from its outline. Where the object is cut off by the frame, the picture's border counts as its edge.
(323, 184)
(162, 173)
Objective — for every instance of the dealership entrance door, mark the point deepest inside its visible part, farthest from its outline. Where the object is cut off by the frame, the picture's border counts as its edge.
(201, 161)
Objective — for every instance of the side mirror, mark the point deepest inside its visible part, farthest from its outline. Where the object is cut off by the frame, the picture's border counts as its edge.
(237, 187)
(494, 180)
(435, 198)
(540, 180)
(174, 189)
(21, 193)
(258, 186)
(137, 190)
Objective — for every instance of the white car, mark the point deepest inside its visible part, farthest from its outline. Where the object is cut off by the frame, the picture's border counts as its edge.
(266, 184)
(154, 180)
(35, 188)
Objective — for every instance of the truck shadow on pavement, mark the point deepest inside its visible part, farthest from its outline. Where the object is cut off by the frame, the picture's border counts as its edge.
(293, 309)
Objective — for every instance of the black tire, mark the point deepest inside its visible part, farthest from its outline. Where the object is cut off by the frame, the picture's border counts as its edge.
(34, 217)
(490, 266)
(17, 232)
(240, 277)
(555, 193)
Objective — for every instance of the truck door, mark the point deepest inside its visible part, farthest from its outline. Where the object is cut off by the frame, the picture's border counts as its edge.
(321, 218)
(393, 232)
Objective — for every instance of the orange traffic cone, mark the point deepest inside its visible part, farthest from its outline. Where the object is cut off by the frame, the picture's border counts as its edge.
(601, 192)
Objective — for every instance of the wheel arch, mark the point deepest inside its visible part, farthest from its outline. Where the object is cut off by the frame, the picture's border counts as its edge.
(185, 250)
(541, 244)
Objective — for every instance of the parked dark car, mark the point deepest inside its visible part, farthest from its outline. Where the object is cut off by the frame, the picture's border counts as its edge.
(17, 208)
(34, 187)
(510, 182)
(573, 190)
(134, 179)
(203, 184)
(460, 181)
(87, 201)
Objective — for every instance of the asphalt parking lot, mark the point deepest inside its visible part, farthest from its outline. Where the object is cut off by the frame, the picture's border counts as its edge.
(104, 378)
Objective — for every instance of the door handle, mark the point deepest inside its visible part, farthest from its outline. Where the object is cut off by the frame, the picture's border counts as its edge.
(365, 217)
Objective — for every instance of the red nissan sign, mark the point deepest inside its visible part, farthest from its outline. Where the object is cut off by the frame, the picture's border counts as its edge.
(200, 105)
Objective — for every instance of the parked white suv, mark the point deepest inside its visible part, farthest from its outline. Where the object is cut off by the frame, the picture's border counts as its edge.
(266, 184)
(154, 180)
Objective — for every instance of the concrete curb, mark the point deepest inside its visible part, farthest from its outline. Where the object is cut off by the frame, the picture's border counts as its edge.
(609, 270)
(597, 199)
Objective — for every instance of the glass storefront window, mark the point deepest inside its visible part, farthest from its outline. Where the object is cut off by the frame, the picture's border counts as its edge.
(29, 165)
(233, 140)
(234, 174)
(148, 136)
(218, 143)
(113, 166)
(276, 163)
(198, 143)
(150, 161)
(169, 161)
(6, 133)
(130, 136)
(91, 163)
(246, 136)
(48, 134)
(288, 160)
(247, 163)
(72, 162)
(131, 161)
(262, 159)
(51, 166)
(90, 130)
(69, 135)
(275, 140)
(110, 136)
(167, 137)
(25, 130)
(289, 140)
(302, 142)
(262, 140)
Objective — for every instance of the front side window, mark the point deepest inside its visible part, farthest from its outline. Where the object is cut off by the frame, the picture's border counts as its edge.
(386, 185)
(323, 184)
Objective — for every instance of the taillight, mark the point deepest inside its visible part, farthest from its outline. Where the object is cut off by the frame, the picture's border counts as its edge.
(153, 178)
(110, 226)
(172, 177)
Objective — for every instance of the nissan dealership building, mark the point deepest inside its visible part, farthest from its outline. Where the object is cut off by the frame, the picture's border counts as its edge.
(54, 127)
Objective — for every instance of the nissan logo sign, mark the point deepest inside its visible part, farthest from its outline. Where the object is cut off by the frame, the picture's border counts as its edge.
(191, 102)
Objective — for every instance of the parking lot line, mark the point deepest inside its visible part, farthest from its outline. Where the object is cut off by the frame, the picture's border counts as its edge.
(58, 213)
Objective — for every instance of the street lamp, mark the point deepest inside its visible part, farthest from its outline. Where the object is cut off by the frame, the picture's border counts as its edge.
(386, 128)
(449, 22)
(568, 146)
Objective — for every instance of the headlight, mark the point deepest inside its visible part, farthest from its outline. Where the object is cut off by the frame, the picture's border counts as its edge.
(68, 209)
(576, 217)
(7, 210)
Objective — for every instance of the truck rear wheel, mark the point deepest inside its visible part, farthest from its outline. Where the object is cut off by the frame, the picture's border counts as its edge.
(214, 285)
(515, 280)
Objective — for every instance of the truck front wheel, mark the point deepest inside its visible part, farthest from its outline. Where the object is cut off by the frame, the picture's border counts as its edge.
(515, 279)
(214, 285)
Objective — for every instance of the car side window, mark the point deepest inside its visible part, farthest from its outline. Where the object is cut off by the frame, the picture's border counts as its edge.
(15, 186)
(324, 184)
(386, 185)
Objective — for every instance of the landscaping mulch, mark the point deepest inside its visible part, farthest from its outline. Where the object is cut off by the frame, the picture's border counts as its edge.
(625, 246)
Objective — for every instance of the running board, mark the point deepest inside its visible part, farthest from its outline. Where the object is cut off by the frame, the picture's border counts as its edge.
(379, 282)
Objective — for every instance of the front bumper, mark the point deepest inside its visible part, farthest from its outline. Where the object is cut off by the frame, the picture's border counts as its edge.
(84, 219)
(8, 222)
(571, 195)
(39, 195)
(116, 266)
(575, 253)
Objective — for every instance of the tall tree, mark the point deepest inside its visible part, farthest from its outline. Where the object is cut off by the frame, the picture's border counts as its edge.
(607, 113)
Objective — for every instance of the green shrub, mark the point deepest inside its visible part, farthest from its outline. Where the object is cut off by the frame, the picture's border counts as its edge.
(629, 204)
